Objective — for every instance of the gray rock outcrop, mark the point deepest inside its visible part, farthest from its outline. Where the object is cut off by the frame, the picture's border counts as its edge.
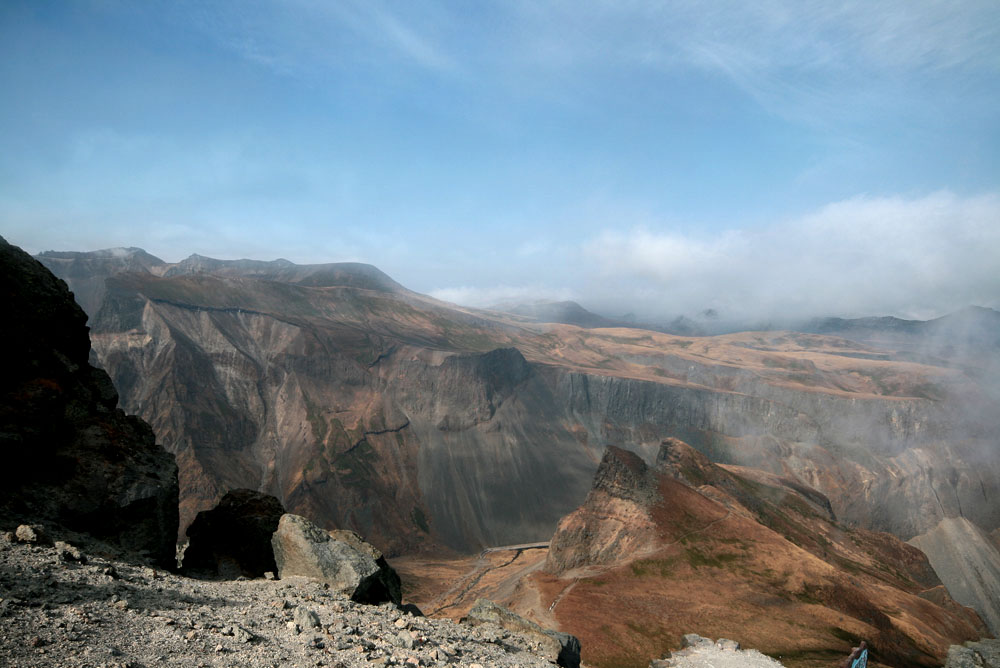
(339, 558)
(560, 648)
(234, 538)
(982, 654)
(73, 462)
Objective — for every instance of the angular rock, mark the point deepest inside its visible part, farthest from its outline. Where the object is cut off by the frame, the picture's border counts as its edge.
(305, 618)
(411, 609)
(560, 648)
(339, 558)
(234, 538)
(982, 654)
(29, 533)
(696, 641)
(72, 460)
(68, 552)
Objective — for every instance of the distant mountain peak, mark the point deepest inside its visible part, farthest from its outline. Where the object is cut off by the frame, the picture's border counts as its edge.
(120, 252)
(566, 312)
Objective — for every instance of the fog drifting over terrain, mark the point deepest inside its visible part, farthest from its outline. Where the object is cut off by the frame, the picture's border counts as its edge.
(766, 160)
(913, 258)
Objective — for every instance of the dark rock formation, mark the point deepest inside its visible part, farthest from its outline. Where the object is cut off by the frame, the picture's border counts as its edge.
(72, 460)
(560, 648)
(339, 558)
(625, 475)
(234, 538)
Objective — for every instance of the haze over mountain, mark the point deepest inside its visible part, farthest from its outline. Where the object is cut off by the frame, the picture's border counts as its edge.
(518, 236)
(426, 425)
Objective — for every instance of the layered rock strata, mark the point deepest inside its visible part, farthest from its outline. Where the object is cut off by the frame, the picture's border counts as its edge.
(418, 423)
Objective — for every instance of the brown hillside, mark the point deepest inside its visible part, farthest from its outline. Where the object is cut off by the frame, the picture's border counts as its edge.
(755, 563)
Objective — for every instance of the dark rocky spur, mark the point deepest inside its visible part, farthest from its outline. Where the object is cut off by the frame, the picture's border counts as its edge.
(234, 538)
(71, 458)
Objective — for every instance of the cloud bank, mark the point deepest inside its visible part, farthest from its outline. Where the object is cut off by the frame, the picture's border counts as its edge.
(919, 257)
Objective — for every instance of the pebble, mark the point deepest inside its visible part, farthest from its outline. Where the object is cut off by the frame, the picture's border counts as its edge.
(115, 614)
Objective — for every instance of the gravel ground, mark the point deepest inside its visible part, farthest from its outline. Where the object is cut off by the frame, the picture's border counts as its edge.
(703, 653)
(56, 610)
(719, 658)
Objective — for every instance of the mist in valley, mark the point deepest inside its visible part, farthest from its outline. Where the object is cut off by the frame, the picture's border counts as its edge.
(705, 296)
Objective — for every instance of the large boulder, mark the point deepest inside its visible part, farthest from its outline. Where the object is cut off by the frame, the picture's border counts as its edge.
(234, 538)
(984, 653)
(340, 558)
(72, 461)
(558, 647)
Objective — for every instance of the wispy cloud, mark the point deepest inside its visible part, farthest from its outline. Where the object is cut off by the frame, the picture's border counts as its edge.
(802, 59)
(308, 39)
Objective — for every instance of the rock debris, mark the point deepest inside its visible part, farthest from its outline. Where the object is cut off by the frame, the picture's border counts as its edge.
(89, 611)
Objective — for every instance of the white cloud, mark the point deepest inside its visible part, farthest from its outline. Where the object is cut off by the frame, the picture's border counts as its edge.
(484, 297)
(916, 257)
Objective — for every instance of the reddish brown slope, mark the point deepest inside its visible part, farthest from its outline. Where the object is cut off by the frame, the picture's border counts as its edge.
(693, 548)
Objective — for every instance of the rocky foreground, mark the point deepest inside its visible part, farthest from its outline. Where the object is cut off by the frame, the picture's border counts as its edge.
(62, 607)
(699, 652)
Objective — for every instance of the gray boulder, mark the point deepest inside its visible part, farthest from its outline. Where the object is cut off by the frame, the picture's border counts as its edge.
(696, 641)
(339, 558)
(984, 653)
(32, 533)
(560, 648)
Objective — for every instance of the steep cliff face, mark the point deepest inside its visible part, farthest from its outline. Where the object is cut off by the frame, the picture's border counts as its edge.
(968, 564)
(72, 460)
(889, 464)
(415, 422)
(689, 546)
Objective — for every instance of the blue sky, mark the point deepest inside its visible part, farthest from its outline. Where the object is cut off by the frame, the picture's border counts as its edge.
(763, 159)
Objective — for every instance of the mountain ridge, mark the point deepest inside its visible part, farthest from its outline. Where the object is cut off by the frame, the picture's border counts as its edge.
(299, 384)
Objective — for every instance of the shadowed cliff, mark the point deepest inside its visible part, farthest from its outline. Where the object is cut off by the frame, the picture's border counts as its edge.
(73, 461)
